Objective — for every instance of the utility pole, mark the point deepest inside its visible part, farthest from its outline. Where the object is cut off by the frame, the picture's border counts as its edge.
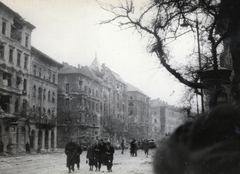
(200, 64)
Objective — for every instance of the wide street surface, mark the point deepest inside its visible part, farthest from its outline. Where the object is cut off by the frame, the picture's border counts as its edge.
(55, 163)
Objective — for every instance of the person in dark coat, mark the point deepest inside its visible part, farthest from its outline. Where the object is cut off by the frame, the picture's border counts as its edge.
(133, 150)
(109, 150)
(78, 153)
(122, 146)
(70, 151)
(27, 148)
(102, 145)
(97, 156)
(90, 156)
(145, 147)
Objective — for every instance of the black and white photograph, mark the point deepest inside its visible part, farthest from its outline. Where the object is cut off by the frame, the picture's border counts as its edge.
(120, 86)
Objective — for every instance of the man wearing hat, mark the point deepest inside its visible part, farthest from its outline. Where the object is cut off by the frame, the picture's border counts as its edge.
(70, 151)
(109, 156)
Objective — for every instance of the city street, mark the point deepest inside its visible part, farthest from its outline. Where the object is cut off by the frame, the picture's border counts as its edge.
(55, 163)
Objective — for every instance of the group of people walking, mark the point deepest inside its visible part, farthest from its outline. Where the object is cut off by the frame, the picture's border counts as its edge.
(134, 146)
(73, 152)
(98, 154)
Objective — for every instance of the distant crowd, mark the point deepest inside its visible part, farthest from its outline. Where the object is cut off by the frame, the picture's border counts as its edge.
(98, 153)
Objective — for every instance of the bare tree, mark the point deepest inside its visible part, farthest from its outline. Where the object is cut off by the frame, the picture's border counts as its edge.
(165, 21)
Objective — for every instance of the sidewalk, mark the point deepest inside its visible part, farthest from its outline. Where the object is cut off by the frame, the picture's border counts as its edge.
(55, 163)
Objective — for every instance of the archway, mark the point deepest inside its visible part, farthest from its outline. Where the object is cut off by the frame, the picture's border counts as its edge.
(32, 139)
(22, 138)
(52, 139)
(39, 140)
(46, 139)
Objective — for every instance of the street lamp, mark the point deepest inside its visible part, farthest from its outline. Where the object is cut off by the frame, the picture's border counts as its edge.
(186, 24)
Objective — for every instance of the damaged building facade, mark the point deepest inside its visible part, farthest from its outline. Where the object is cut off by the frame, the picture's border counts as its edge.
(42, 110)
(20, 87)
(91, 104)
(15, 52)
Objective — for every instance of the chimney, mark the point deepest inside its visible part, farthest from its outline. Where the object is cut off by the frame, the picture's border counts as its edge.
(79, 66)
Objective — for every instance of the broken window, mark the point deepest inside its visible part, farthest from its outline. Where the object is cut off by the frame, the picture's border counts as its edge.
(18, 82)
(16, 34)
(16, 29)
(11, 55)
(5, 103)
(4, 24)
(2, 51)
(7, 79)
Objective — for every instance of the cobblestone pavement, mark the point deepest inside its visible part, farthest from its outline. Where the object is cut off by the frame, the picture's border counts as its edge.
(55, 163)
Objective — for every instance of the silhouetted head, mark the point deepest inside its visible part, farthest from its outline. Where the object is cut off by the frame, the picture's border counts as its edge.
(208, 145)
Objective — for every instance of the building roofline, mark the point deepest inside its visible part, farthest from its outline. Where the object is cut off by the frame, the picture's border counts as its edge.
(17, 15)
(45, 57)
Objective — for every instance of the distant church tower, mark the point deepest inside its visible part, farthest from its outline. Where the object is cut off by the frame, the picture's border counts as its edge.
(95, 64)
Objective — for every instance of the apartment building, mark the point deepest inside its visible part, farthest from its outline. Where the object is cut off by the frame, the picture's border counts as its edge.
(138, 112)
(15, 52)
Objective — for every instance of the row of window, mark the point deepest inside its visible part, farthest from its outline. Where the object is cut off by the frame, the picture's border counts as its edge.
(42, 73)
(11, 54)
(43, 94)
(7, 81)
(16, 33)
(44, 111)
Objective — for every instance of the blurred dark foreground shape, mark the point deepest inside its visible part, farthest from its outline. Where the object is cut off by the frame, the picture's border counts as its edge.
(208, 145)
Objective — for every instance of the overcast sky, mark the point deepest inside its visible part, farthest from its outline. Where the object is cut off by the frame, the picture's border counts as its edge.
(68, 30)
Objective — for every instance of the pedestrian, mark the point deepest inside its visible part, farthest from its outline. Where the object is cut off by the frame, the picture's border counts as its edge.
(102, 152)
(27, 148)
(132, 148)
(97, 156)
(109, 156)
(135, 147)
(70, 151)
(90, 156)
(78, 153)
(1, 147)
(145, 147)
(122, 146)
